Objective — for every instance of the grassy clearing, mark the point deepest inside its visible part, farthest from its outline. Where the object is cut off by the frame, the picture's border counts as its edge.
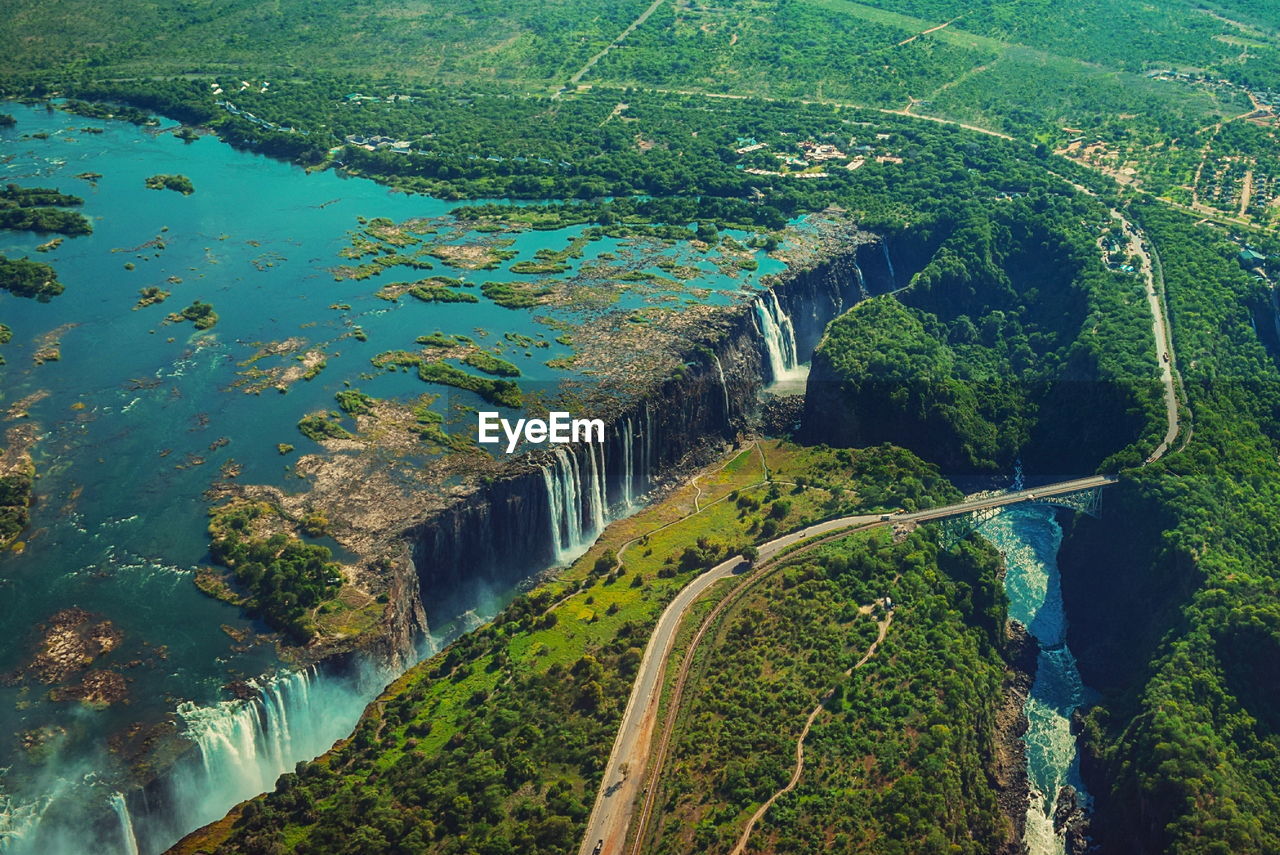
(559, 659)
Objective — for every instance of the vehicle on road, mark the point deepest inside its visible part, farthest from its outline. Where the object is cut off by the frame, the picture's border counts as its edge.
(885, 517)
(599, 846)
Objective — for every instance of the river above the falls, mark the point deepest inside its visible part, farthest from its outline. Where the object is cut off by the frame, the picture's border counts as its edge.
(136, 417)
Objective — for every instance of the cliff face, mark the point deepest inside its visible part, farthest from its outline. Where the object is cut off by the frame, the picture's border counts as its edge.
(553, 502)
(1122, 590)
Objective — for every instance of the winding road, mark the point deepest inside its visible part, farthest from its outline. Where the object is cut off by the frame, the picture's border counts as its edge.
(632, 748)
(621, 787)
(1160, 330)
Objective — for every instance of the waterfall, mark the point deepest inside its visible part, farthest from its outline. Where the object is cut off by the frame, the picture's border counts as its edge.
(576, 499)
(244, 746)
(562, 493)
(790, 357)
(127, 837)
(628, 454)
(863, 293)
(19, 822)
(893, 277)
(571, 500)
(555, 511)
(648, 449)
(597, 490)
(778, 335)
(724, 386)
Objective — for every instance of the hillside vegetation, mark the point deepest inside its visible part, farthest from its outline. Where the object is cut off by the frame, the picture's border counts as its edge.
(1013, 341)
(1174, 590)
(497, 744)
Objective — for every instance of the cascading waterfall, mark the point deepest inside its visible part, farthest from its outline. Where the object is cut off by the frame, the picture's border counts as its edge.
(597, 487)
(578, 510)
(893, 277)
(724, 386)
(244, 746)
(790, 357)
(555, 510)
(863, 293)
(778, 335)
(648, 448)
(628, 454)
(129, 840)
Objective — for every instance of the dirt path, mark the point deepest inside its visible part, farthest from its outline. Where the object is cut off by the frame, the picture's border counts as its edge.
(908, 41)
(631, 28)
(808, 725)
(1246, 193)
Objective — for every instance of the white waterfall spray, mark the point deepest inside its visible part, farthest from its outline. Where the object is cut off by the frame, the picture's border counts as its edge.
(19, 821)
(571, 501)
(863, 293)
(246, 745)
(128, 839)
(629, 461)
(724, 386)
(893, 277)
(779, 337)
(597, 487)
(648, 448)
(555, 510)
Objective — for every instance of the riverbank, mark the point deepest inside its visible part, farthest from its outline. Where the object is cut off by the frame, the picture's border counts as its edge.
(539, 655)
(1013, 784)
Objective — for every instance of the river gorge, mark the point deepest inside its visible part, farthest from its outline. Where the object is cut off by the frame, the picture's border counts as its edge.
(179, 752)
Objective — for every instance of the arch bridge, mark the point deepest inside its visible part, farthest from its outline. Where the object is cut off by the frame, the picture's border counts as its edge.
(956, 527)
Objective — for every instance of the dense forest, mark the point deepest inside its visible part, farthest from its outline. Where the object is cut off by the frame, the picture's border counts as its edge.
(25, 278)
(1014, 340)
(38, 209)
(1172, 593)
(790, 641)
(670, 159)
(286, 578)
(497, 743)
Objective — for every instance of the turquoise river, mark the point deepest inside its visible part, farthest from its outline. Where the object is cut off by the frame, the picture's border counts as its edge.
(135, 420)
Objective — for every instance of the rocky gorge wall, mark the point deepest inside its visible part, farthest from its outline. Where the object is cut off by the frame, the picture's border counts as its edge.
(541, 511)
(553, 503)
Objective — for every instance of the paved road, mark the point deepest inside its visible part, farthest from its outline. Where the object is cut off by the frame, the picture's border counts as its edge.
(615, 802)
(1159, 328)
(620, 787)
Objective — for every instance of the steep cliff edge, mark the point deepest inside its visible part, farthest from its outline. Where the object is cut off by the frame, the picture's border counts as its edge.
(1012, 341)
(546, 505)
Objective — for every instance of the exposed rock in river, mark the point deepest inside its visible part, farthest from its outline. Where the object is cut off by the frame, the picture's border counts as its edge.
(70, 642)
(1072, 821)
(1013, 788)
